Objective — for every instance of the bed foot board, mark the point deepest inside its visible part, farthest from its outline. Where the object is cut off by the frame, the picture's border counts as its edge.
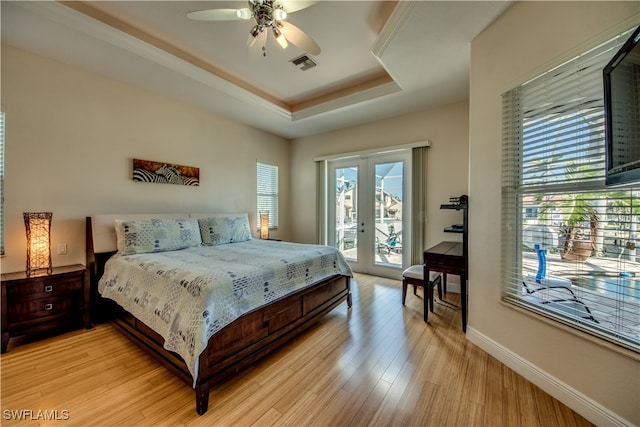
(202, 398)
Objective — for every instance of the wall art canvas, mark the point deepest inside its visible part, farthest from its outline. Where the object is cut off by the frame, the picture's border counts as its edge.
(165, 173)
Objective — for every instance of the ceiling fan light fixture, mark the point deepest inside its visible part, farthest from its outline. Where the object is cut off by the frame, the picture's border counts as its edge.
(253, 35)
(244, 13)
(279, 14)
(280, 38)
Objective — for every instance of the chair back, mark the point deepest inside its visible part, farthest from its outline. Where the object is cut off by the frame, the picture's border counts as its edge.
(542, 263)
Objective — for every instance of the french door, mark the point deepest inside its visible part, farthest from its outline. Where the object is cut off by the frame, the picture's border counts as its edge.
(366, 221)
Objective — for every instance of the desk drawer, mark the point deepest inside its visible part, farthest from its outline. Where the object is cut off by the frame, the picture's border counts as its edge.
(446, 262)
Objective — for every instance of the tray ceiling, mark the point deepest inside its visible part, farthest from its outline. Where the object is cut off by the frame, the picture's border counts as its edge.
(379, 59)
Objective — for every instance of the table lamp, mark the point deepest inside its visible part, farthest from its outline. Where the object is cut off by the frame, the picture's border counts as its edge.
(38, 226)
(264, 224)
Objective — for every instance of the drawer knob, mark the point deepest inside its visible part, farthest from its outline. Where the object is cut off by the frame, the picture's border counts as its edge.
(48, 306)
(48, 288)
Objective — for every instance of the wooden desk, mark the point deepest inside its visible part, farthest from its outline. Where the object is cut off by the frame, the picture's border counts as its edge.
(449, 258)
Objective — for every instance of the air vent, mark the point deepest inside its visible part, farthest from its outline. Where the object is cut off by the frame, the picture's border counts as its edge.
(304, 62)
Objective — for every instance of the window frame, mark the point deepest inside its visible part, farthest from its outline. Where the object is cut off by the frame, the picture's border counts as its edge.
(267, 192)
(529, 136)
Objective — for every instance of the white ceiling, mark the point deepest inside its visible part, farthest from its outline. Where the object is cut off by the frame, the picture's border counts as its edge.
(378, 60)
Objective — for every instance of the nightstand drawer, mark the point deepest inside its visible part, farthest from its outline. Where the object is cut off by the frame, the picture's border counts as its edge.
(36, 308)
(43, 288)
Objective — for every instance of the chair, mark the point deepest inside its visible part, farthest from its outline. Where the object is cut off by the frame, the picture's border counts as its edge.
(392, 244)
(553, 292)
(414, 275)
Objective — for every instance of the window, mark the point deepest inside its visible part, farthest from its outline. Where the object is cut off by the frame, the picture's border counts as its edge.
(569, 243)
(267, 185)
(1, 183)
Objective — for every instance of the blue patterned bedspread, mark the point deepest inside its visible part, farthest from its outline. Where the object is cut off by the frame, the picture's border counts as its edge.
(188, 295)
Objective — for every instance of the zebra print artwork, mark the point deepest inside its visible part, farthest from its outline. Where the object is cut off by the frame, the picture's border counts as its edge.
(165, 173)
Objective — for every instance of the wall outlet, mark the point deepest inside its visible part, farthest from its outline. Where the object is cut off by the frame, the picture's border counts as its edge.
(62, 248)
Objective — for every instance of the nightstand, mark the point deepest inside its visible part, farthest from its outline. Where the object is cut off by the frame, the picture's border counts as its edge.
(46, 302)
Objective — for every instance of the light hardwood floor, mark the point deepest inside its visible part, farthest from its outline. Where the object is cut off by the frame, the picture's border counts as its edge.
(375, 364)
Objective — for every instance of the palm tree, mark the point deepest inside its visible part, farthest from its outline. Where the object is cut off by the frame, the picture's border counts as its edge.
(580, 217)
(577, 246)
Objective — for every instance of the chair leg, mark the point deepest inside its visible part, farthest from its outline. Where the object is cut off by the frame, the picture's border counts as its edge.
(404, 290)
(428, 293)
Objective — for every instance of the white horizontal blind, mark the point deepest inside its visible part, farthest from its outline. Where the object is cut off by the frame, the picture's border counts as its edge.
(554, 196)
(267, 185)
(1, 183)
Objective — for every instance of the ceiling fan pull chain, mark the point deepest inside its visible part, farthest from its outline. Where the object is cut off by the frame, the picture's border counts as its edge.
(264, 45)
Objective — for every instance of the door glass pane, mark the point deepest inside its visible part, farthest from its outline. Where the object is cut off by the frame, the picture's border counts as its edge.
(346, 180)
(388, 213)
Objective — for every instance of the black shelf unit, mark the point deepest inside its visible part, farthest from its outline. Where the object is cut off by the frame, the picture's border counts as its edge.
(460, 204)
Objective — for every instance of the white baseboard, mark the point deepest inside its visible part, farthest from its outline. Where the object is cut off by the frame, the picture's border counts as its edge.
(583, 405)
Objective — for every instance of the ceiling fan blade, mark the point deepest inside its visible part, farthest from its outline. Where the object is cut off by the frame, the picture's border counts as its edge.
(291, 6)
(214, 15)
(299, 38)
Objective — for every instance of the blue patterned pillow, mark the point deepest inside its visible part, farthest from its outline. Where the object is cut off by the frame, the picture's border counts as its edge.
(224, 229)
(159, 235)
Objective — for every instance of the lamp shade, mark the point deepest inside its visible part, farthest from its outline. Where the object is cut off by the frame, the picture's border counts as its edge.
(38, 227)
(279, 14)
(244, 13)
(280, 38)
(264, 224)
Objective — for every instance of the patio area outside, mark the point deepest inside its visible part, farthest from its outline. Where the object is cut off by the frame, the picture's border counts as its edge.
(613, 300)
(388, 244)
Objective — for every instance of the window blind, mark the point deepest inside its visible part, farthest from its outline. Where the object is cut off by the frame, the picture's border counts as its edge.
(568, 241)
(267, 189)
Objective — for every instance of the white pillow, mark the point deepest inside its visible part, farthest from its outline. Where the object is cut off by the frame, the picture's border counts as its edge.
(221, 230)
(156, 235)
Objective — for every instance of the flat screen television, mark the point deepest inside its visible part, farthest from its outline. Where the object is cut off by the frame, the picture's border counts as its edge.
(622, 113)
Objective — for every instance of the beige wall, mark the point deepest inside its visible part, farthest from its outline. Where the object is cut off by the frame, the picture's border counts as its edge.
(447, 165)
(70, 138)
(529, 38)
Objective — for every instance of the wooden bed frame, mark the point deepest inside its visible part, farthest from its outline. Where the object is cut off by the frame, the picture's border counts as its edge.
(238, 345)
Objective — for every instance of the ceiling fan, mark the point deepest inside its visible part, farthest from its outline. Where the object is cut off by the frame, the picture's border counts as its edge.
(269, 15)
